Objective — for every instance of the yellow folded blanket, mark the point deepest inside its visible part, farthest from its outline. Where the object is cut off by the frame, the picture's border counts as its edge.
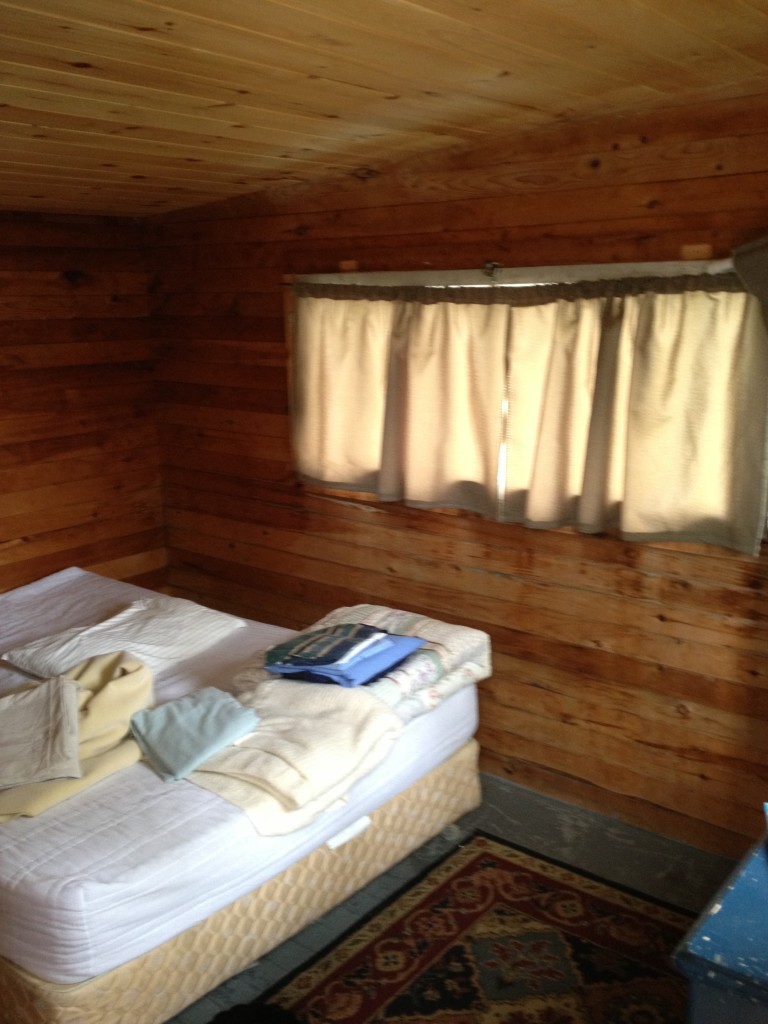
(111, 687)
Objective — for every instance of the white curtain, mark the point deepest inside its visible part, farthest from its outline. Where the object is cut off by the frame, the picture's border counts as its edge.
(636, 405)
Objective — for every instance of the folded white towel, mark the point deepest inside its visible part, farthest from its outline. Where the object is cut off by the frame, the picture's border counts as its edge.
(39, 733)
(313, 742)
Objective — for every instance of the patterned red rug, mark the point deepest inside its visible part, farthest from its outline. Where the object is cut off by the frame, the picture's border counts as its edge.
(494, 935)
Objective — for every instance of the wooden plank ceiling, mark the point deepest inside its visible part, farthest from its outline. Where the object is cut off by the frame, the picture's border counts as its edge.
(137, 107)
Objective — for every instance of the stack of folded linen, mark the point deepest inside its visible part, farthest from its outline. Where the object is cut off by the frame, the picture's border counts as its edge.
(449, 658)
(349, 654)
(312, 744)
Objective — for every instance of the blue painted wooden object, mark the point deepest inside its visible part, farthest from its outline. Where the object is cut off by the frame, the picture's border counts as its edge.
(725, 954)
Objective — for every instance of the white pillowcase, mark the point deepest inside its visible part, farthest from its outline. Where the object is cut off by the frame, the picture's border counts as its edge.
(157, 630)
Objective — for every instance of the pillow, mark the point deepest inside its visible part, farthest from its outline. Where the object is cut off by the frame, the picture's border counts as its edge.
(157, 630)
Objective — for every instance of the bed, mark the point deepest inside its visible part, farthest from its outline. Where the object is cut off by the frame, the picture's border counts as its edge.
(131, 899)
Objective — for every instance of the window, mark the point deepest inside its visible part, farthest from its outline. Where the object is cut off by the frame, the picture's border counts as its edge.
(634, 404)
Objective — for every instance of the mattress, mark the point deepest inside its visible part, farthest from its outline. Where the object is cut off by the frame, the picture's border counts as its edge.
(107, 875)
(152, 988)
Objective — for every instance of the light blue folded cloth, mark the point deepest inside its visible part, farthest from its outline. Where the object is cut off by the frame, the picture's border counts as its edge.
(178, 736)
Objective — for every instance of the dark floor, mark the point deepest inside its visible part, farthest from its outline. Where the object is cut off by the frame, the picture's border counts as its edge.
(650, 864)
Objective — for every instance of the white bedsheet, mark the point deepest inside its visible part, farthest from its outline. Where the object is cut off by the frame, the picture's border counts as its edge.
(108, 874)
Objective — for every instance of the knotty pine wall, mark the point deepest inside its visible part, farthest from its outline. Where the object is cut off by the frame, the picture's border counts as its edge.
(631, 678)
(79, 466)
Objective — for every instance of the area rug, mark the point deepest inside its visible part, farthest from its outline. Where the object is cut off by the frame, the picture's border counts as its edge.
(494, 935)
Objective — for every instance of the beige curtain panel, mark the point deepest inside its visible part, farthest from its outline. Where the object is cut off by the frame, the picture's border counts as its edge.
(634, 405)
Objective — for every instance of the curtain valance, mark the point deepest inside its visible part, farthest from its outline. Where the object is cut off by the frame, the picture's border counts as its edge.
(521, 295)
(637, 404)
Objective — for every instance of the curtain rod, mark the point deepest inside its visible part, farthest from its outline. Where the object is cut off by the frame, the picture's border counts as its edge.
(494, 274)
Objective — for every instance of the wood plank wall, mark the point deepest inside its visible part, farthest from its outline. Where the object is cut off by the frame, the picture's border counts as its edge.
(631, 678)
(79, 466)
